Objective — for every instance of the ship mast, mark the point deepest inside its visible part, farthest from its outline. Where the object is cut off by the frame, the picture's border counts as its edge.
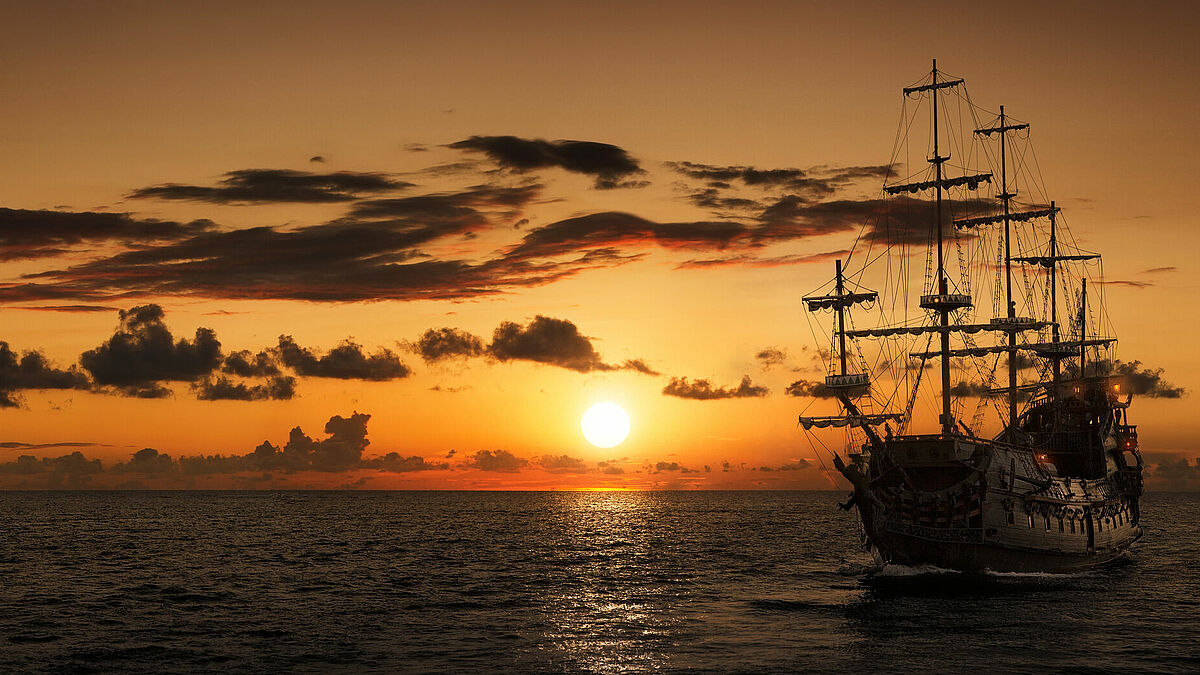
(1082, 328)
(943, 311)
(1054, 296)
(1006, 196)
(841, 310)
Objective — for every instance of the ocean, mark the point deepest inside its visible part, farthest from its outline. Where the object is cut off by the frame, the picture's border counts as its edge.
(553, 581)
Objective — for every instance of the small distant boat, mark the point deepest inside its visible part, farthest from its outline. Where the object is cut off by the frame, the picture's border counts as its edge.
(1057, 488)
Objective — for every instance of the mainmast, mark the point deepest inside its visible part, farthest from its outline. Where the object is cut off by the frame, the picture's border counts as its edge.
(1006, 196)
(1054, 296)
(943, 289)
(841, 310)
(943, 302)
(1082, 328)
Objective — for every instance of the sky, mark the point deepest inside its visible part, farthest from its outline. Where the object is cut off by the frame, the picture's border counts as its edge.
(407, 245)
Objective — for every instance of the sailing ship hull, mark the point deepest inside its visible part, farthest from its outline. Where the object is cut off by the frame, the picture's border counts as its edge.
(960, 503)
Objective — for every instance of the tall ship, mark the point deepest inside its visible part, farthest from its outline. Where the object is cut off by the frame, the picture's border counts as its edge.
(970, 361)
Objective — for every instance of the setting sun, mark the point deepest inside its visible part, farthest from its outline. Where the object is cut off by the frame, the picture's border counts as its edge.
(605, 425)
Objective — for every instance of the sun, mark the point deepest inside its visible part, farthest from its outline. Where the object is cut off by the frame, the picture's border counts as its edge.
(605, 425)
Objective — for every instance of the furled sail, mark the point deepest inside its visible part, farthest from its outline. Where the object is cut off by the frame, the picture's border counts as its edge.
(970, 328)
(972, 182)
(1020, 216)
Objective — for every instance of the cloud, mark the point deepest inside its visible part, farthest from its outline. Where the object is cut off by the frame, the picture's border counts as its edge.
(72, 471)
(277, 185)
(347, 361)
(1176, 473)
(561, 464)
(499, 460)
(970, 389)
(610, 165)
(245, 363)
(749, 260)
(319, 159)
(546, 340)
(661, 467)
(613, 228)
(70, 309)
(811, 389)
(770, 357)
(277, 388)
(341, 450)
(797, 465)
(373, 253)
(12, 445)
(828, 177)
(394, 462)
(438, 344)
(26, 234)
(639, 365)
(147, 461)
(1135, 378)
(703, 390)
(31, 370)
(143, 353)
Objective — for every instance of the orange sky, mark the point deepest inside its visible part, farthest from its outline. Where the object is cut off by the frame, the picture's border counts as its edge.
(109, 99)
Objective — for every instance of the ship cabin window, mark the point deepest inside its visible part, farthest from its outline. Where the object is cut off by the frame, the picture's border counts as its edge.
(1061, 525)
(1012, 518)
(1099, 524)
(1072, 521)
(1031, 521)
(1047, 522)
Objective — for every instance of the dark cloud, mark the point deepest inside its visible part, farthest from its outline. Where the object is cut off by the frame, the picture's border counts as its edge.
(72, 471)
(70, 309)
(319, 159)
(970, 389)
(245, 363)
(37, 234)
(703, 390)
(561, 464)
(31, 370)
(148, 461)
(811, 389)
(143, 353)
(394, 462)
(792, 466)
(12, 445)
(1175, 473)
(661, 467)
(341, 450)
(639, 365)
(608, 229)
(770, 357)
(547, 340)
(498, 460)
(437, 344)
(347, 361)
(749, 260)
(1135, 378)
(448, 212)
(373, 253)
(277, 185)
(812, 183)
(277, 388)
(610, 165)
